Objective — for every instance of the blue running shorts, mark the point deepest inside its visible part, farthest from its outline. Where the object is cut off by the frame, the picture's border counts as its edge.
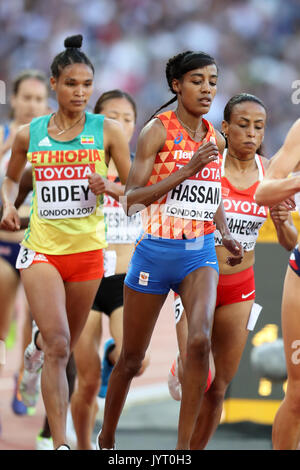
(9, 251)
(160, 264)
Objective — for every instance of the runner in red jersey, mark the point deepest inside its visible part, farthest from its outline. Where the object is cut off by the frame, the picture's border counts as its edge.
(242, 170)
(177, 249)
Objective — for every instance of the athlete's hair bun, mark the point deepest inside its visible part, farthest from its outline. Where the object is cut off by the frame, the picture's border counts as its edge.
(73, 41)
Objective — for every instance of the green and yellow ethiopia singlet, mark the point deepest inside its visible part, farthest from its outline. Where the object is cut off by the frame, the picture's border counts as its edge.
(65, 217)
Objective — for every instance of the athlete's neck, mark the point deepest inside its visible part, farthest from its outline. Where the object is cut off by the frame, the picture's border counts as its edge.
(241, 158)
(192, 124)
(67, 119)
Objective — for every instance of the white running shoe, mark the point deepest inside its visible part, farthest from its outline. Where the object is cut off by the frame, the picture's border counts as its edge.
(98, 445)
(33, 363)
(63, 447)
(43, 443)
(173, 381)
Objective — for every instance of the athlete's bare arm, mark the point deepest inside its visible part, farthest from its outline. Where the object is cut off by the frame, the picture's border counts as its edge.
(25, 187)
(116, 148)
(9, 191)
(287, 233)
(150, 142)
(276, 186)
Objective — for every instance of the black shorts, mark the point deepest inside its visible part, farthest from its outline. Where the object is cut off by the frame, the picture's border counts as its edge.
(110, 294)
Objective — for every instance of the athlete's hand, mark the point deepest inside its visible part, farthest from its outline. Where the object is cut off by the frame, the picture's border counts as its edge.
(280, 212)
(235, 249)
(205, 154)
(97, 184)
(10, 219)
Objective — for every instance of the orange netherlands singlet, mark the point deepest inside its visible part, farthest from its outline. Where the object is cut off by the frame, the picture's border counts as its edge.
(187, 211)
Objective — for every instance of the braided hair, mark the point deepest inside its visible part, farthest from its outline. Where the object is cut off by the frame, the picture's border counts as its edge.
(179, 65)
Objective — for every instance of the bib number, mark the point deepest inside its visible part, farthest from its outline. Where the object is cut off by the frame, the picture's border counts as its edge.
(192, 199)
(178, 309)
(25, 257)
(110, 262)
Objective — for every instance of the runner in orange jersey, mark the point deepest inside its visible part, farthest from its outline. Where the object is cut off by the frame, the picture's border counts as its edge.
(176, 174)
(61, 258)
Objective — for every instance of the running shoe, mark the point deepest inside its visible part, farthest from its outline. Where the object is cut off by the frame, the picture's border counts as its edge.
(107, 367)
(98, 445)
(17, 405)
(173, 381)
(43, 443)
(33, 363)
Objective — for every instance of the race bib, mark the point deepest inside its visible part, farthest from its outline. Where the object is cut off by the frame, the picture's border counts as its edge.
(178, 308)
(25, 257)
(243, 228)
(63, 191)
(110, 262)
(119, 227)
(194, 199)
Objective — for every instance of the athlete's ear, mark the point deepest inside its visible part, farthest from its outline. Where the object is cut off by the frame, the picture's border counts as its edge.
(225, 128)
(176, 85)
(53, 83)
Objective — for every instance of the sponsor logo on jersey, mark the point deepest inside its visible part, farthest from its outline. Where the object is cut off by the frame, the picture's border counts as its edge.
(44, 142)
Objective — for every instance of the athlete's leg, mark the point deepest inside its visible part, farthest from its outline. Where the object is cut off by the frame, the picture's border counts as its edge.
(286, 427)
(9, 282)
(60, 312)
(198, 294)
(47, 304)
(229, 337)
(116, 331)
(140, 314)
(88, 366)
(71, 377)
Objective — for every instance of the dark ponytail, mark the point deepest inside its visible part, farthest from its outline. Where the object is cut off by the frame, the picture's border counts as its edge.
(71, 55)
(179, 65)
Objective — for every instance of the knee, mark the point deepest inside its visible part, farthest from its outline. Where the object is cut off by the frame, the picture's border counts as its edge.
(216, 393)
(292, 397)
(198, 345)
(144, 364)
(89, 385)
(57, 347)
(131, 364)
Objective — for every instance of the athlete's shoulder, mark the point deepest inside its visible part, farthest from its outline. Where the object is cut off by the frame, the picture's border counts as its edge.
(91, 117)
(264, 160)
(166, 116)
(220, 141)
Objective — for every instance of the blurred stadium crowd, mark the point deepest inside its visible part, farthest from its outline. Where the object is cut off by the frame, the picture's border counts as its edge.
(256, 44)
